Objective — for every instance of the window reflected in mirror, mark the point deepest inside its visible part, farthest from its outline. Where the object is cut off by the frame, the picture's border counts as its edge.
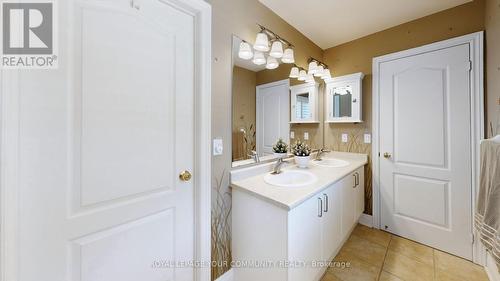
(302, 107)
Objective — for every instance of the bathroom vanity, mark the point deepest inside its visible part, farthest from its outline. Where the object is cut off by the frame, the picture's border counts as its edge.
(288, 227)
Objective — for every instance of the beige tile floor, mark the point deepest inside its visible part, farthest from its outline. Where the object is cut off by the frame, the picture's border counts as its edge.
(377, 255)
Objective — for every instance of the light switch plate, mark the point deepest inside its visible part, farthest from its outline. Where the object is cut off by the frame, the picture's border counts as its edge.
(368, 138)
(218, 147)
(306, 136)
(344, 138)
(292, 134)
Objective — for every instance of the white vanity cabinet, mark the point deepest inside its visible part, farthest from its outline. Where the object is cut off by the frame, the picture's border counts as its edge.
(312, 232)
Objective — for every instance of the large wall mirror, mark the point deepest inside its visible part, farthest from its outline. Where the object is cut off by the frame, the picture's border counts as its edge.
(260, 108)
(263, 110)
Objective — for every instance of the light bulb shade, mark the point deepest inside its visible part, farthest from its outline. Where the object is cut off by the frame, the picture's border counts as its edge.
(276, 50)
(294, 72)
(326, 74)
(261, 42)
(319, 71)
(288, 56)
(259, 58)
(302, 75)
(272, 63)
(309, 78)
(245, 51)
(312, 67)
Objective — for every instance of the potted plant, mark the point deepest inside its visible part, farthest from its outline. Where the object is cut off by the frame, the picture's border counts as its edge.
(280, 148)
(302, 153)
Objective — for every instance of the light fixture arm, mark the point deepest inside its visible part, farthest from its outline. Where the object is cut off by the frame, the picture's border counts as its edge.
(274, 36)
(317, 61)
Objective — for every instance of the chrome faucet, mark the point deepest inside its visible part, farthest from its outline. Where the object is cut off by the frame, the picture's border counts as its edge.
(320, 152)
(277, 166)
(254, 156)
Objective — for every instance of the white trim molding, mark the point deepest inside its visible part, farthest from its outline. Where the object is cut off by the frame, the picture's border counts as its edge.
(227, 276)
(9, 161)
(366, 220)
(475, 42)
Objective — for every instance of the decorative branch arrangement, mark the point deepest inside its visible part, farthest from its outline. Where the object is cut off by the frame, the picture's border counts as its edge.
(301, 149)
(280, 147)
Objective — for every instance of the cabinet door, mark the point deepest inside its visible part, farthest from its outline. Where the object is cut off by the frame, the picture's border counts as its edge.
(331, 224)
(360, 193)
(348, 203)
(304, 238)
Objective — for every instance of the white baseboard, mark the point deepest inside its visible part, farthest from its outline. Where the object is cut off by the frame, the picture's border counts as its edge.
(367, 220)
(491, 268)
(228, 276)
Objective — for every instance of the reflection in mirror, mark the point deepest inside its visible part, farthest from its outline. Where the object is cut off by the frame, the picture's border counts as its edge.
(342, 100)
(302, 107)
(260, 108)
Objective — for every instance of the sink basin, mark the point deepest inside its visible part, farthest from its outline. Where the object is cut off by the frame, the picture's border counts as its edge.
(331, 162)
(292, 178)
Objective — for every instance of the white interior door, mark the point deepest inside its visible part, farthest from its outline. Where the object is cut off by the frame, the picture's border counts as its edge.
(101, 143)
(273, 115)
(425, 180)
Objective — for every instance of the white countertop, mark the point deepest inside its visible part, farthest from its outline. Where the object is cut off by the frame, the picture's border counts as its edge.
(251, 180)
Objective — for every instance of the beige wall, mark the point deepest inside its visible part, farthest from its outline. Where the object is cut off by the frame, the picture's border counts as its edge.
(357, 55)
(237, 17)
(492, 24)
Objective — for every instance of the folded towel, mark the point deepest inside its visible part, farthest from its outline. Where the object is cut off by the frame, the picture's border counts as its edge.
(487, 217)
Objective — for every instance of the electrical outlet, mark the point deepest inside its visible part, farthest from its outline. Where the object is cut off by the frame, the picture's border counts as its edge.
(368, 138)
(218, 147)
(345, 138)
(306, 136)
(292, 134)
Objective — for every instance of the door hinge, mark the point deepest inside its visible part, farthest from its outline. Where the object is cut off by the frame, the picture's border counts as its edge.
(379, 154)
(470, 65)
(472, 238)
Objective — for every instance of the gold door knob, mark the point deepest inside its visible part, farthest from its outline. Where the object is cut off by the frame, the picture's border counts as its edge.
(387, 155)
(185, 175)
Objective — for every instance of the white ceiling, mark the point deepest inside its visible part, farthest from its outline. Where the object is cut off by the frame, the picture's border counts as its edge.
(330, 23)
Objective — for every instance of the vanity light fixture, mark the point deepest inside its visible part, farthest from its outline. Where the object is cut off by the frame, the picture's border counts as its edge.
(276, 49)
(288, 56)
(309, 78)
(312, 67)
(302, 75)
(294, 72)
(272, 63)
(245, 51)
(318, 68)
(319, 71)
(326, 74)
(261, 47)
(261, 42)
(259, 58)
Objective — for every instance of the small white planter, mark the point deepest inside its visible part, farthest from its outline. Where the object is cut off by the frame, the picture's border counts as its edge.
(302, 161)
(280, 155)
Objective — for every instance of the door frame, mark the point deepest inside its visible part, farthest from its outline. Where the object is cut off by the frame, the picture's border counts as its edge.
(476, 49)
(285, 82)
(201, 12)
